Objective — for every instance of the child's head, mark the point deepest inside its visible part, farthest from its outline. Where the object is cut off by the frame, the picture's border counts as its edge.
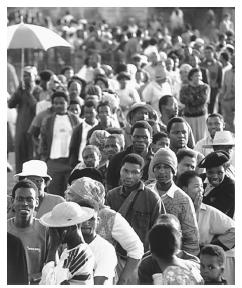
(91, 156)
(160, 140)
(212, 261)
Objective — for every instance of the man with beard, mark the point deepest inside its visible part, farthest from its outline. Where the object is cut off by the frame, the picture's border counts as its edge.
(176, 202)
(141, 138)
(136, 203)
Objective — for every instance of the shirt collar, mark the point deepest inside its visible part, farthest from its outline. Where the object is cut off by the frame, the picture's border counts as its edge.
(203, 207)
(171, 191)
(140, 187)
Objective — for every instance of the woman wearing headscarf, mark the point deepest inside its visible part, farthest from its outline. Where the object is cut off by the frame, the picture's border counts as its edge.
(112, 227)
(25, 101)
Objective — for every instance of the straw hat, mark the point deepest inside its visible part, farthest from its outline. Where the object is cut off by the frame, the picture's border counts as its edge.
(221, 138)
(34, 168)
(66, 214)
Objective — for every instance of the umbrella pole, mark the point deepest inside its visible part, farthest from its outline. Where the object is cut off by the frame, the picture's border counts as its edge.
(22, 67)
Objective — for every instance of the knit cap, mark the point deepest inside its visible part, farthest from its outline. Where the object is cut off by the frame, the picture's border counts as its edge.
(165, 156)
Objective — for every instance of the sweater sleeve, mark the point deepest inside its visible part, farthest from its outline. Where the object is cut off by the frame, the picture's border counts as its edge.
(189, 226)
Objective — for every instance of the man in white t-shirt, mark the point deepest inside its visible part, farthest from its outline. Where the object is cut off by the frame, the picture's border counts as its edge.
(104, 252)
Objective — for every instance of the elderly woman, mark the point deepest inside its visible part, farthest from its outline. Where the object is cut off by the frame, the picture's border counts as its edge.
(219, 188)
(112, 227)
(195, 96)
(214, 226)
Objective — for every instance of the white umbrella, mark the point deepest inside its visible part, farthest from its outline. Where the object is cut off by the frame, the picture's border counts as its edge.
(23, 36)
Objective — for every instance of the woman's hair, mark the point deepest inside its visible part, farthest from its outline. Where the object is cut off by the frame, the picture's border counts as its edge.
(94, 148)
(164, 240)
(185, 178)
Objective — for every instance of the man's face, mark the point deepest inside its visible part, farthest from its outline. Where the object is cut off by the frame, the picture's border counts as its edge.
(130, 174)
(210, 268)
(74, 90)
(140, 114)
(179, 135)
(141, 139)
(208, 53)
(111, 147)
(75, 109)
(215, 175)
(90, 114)
(27, 78)
(214, 124)
(169, 64)
(60, 105)
(163, 173)
(90, 158)
(164, 142)
(89, 227)
(24, 203)
(195, 191)
(104, 113)
(69, 73)
(38, 181)
(186, 164)
(171, 108)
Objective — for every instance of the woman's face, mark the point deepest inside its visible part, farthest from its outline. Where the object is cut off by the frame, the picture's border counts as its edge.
(215, 175)
(196, 78)
(90, 158)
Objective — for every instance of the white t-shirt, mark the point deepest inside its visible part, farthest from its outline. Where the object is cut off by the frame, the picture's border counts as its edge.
(62, 132)
(105, 258)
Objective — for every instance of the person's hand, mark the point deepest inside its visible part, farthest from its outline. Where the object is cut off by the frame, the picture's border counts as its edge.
(54, 236)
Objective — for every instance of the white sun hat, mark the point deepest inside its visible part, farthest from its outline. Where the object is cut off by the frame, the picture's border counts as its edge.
(222, 138)
(66, 214)
(34, 168)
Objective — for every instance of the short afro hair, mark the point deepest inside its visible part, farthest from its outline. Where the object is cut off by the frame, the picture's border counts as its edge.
(134, 159)
(26, 183)
(142, 124)
(214, 250)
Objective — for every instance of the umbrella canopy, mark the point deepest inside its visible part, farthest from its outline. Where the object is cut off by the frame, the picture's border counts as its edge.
(23, 36)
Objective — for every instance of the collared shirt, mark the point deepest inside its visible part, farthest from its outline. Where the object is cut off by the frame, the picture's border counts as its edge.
(205, 141)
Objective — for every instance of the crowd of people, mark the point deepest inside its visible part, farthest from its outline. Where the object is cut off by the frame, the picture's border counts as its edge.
(125, 166)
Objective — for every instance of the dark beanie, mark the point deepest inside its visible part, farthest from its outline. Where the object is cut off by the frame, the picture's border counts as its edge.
(214, 159)
(92, 173)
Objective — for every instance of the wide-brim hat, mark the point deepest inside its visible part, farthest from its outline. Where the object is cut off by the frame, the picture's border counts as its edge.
(66, 214)
(214, 159)
(34, 168)
(223, 138)
(151, 111)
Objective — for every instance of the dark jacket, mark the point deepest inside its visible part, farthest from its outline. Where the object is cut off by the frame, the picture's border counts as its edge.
(47, 133)
(113, 173)
(75, 143)
(222, 197)
(142, 214)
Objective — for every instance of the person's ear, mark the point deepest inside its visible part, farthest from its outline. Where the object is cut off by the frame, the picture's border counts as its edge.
(37, 202)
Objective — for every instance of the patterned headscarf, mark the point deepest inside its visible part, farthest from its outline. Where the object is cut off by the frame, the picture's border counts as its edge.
(89, 189)
(98, 138)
